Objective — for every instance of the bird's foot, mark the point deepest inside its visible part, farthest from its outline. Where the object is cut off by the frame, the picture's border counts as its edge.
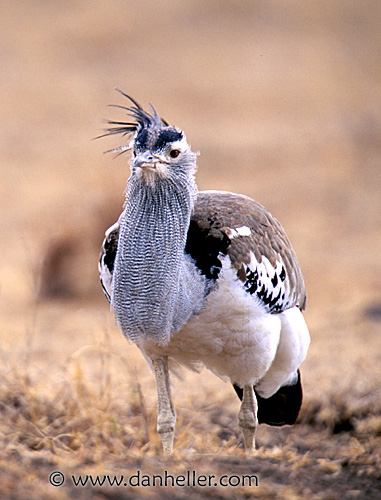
(248, 439)
(166, 428)
(167, 442)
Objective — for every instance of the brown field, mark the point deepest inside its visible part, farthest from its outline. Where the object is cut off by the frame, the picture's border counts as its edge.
(283, 100)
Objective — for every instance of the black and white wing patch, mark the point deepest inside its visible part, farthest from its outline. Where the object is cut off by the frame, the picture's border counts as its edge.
(257, 248)
(107, 258)
(269, 284)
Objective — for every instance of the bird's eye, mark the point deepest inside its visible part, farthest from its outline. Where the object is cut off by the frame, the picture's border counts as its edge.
(134, 152)
(174, 153)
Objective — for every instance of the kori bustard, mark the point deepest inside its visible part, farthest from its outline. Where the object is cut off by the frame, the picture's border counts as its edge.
(204, 279)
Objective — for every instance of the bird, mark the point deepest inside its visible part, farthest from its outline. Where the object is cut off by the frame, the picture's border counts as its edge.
(203, 279)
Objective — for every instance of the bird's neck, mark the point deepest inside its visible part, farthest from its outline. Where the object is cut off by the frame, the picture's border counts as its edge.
(151, 297)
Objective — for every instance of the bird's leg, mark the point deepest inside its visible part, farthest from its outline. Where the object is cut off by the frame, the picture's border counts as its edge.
(166, 415)
(247, 417)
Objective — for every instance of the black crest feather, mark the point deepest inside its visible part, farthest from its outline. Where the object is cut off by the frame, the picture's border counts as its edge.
(141, 119)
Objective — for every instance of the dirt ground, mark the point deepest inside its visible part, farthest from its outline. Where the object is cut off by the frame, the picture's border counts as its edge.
(282, 99)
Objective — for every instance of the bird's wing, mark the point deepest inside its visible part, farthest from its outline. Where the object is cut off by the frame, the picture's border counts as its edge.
(107, 258)
(229, 224)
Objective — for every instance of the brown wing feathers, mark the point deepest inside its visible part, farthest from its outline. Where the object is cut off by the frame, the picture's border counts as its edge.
(226, 212)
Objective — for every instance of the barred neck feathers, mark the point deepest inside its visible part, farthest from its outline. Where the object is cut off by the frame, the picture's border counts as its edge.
(151, 272)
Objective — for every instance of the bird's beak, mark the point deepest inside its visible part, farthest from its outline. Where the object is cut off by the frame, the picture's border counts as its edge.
(146, 160)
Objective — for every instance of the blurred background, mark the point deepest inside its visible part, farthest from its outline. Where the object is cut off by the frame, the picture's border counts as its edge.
(283, 101)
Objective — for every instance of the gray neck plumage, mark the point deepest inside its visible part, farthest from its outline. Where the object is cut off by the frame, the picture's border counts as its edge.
(156, 288)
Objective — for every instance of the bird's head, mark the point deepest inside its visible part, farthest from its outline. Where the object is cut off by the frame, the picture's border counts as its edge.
(159, 151)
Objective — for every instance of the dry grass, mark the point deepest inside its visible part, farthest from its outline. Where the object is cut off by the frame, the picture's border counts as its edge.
(282, 100)
(95, 413)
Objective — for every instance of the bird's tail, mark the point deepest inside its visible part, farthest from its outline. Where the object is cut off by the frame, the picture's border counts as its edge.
(282, 408)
